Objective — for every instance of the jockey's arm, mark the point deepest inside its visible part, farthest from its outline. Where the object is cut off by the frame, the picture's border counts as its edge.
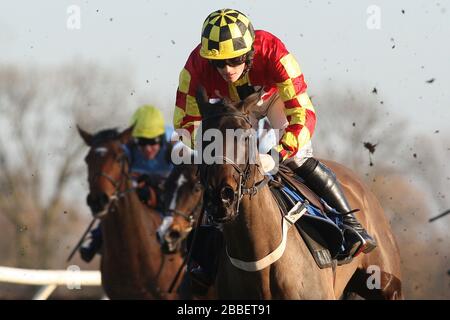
(187, 114)
(298, 107)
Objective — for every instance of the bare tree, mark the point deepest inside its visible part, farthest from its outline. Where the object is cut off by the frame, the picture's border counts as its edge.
(40, 152)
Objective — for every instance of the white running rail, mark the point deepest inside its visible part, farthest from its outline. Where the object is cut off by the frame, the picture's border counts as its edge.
(73, 278)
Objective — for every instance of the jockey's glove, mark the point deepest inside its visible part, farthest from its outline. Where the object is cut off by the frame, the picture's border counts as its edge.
(275, 155)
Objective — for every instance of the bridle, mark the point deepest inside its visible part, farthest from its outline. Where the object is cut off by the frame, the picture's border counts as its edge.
(117, 184)
(189, 216)
(244, 174)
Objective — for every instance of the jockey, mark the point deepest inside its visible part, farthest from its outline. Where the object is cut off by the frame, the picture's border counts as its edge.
(149, 154)
(233, 60)
(150, 164)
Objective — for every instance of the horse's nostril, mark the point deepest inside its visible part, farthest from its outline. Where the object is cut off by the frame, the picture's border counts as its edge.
(227, 194)
(89, 200)
(174, 234)
(97, 203)
(104, 199)
(92, 201)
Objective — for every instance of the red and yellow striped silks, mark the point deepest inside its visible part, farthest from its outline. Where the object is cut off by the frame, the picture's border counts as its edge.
(274, 69)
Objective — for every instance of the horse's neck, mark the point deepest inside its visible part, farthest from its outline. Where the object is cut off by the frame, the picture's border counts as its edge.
(131, 226)
(132, 261)
(257, 229)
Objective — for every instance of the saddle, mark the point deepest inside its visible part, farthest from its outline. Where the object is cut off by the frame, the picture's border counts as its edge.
(319, 226)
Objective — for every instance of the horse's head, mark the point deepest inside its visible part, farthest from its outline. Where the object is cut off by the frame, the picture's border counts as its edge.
(107, 165)
(183, 205)
(231, 176)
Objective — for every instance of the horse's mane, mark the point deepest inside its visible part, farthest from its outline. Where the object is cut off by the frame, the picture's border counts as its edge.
(105, 136)
(189, 169)
(222, 107)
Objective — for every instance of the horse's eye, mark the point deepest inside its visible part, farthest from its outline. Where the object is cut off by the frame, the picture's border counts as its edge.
(197, 187)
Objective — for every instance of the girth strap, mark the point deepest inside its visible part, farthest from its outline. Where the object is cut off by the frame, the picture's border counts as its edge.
(251, 266)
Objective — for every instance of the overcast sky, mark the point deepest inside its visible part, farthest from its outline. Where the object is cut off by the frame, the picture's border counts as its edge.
(338, 45)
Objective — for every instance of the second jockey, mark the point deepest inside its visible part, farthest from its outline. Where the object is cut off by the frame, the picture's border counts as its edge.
(149, 156)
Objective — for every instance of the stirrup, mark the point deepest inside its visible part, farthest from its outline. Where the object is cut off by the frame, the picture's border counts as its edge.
(363, 246)
(356, 245)
(345, 260)
(368, 243)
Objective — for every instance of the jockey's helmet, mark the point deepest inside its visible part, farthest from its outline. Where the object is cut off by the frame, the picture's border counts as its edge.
(148, 123)
(226, 34)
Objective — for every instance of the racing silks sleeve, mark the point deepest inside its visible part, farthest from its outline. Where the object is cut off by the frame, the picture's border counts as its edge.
(298, 107)
(187, 114)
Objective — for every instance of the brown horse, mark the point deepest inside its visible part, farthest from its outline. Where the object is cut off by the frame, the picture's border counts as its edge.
(253, 229)
(132, 264)
(183, 202)
(184, 195)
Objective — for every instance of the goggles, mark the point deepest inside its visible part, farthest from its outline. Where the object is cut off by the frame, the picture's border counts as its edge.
(233, 62)
(149, 142)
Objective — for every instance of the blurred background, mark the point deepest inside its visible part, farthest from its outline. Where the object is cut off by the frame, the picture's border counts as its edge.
(377, 71)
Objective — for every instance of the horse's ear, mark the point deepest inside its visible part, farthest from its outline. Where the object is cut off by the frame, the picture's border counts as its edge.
(202, 100)
(126, 135)
(250, 102)
(87, 137)
(228, 103)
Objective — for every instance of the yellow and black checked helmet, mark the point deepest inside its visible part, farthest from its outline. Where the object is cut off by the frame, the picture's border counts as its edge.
(226, 34)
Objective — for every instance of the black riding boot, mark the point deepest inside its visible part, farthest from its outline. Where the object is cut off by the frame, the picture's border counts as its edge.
(323, 181)
(205, 256)
(88, 253)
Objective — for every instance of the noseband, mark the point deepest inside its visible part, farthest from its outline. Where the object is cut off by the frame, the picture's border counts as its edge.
(189, 217)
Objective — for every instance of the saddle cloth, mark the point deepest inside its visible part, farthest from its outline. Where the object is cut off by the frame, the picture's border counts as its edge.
(319, 226)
